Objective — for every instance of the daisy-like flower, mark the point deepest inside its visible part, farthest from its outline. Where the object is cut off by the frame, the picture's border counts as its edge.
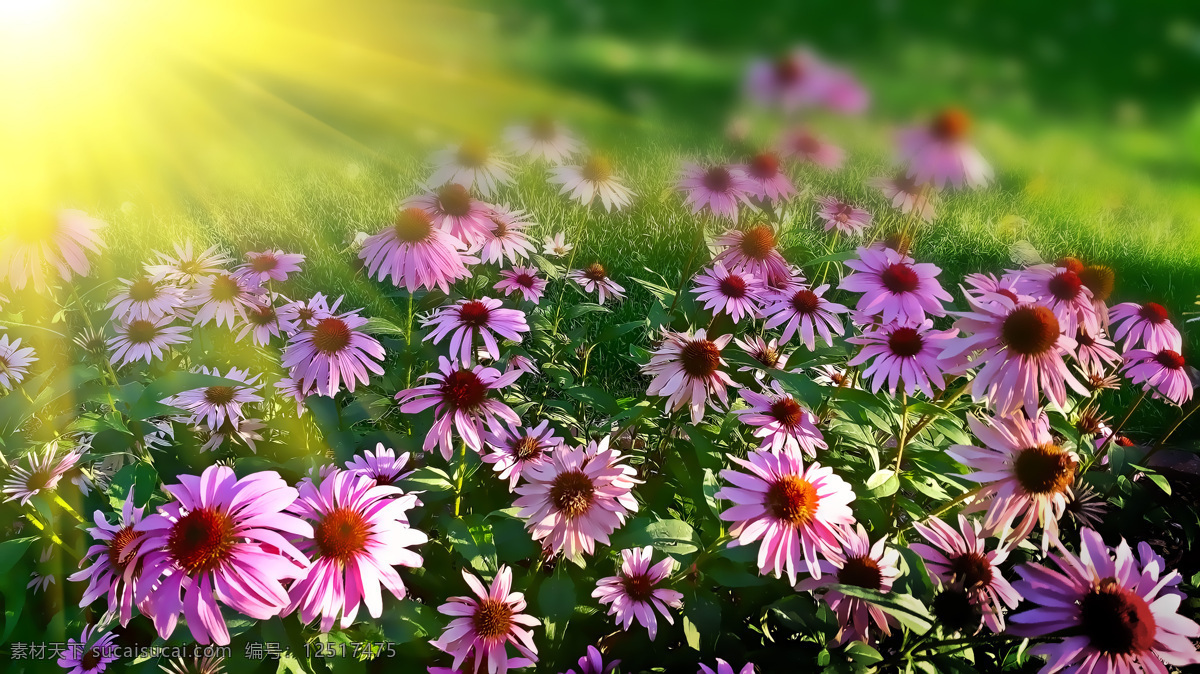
(795, 80)
(753, 251)
(769, 181)
(1113, 614)
(214, 405)
(894, 286)
(262, 322)
(468, 319)
(43, 473)
(462, 403)
(781, 421)
(1101, 280)
(861, 564)
(334, 353)
(795, 512)
(145, 340)
(303, 314)
(382, 465)
(471, 164)
(594, 177)
(843, 216)
(221, 538)
(830, 375)
(906, 195)
(416, 253)
(542, 138)
(718, 187)
(116, 545)
(595, 278)
(246, 431)
(726, 292)
(1095, 352)
(767, 354)
(805, 312)
(724, 667)
(1063, 291)
(143, 299)
(1024, 475)
(904, 353)
(1163, 372)
(593, 663)
(62, 242)
(455, 211)
(578, 497)
(508, 238)
(269, 265)
(983, 285)
(77, 658)
(1021, 349)
(973, 589)
(360, 533)
(517, 450)
(524, 280)
(223, 297)
(634, 593)
(290, 388)
(686, 369)
(1147, 325)
(802, 146)
(14, 362)
(556, 246)
(186, 266)
(939, 154)
(484, 625)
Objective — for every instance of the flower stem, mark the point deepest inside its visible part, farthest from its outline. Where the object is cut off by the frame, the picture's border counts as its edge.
(1163, 440)
(462, 474)
(1120, 427)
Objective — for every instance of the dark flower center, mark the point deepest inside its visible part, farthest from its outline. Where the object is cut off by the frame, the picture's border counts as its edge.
(758, 242)
(219, 395)
(225, 288)
(954, 611)
(1116, 620)
(572, 493)
(1100, 280)
(764, 166)
(788, 70)
(1169, 359)
(1153, 312)
(717, 179)
(971, 569)
(305, 314)
(861, 571)
(264, 263)
(141, 332)
(412, 225)
(595, 272)
(900, 278)
(596, 169)
(806, 144)
(543, 128)
(473, 314)
(700, 358)
(142, 290)
(905, 342)
(524, 280)
(201, 540)
(341, 534)
(1084, 339)
(951, 125)
(492, 619)
(1071, 264)
(733, 286)
(639, 587)
(526, 449)
(842, 213)
(464, 390)
(787, 412)
(261, 315)
(39, 479)
(116, 547)
(1030, 330)
(1065, 285)
(501, 229)
(767, 356)
(793, 500)
(1045, 469)
(472, 154)
(805, 301)
(454, 200)
(331, 335)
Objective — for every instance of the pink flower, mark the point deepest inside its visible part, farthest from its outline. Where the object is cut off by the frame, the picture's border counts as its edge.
(77, 658)
(302, 314)
(594, 177)
(42, 474)
(1063, 292)
(861, 564)
(468, 319)
(461, 398)
(578, 497)
(906, 195)
(62, 242)
(720, 188)
(843, 216)
(1147, 325)
(186, 266)
(1163, 372)
(214, 405)
(802, 146)
(471, 164)
(146, 300)
(753, 251)
(556, 246)
(453, 210)
(593, 663)
(633, 592)
(517, 450)
(221, 538)
(14, 362)
(968, 573)
(805, 312)
(894, 286)
(144, 340)
(594, 278)
(382, 465)
(1116, 616)
(415, 253)
(544, 139)
(333, 353)
(360, 532)
(524, 280)
(1095, 353)
(291, 388)
(269, 265)
(982, 285)
(770, 183)
(767, 354)
(939, 153)
(1023, 474)
(687, 370)
(782, 423)
(800, 79)
(109, 573)
(262, 322)
(725, 668)
(508, 238)
(224, 298)
(485, 624)
(726, 292)
(904, 353)
(794, 511)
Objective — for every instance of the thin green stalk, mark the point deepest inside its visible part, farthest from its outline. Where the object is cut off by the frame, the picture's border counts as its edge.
(1163, 440)
(1120, 427)
(462, 474)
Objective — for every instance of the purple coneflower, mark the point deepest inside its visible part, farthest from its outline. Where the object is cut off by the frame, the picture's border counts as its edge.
(62, 242)
(14, 362)
(1063, 292)
(269, 265)
(1163, 372)
(109, 573)
(484, 625)
(471, 164)
(895, 286)
(974, 593)
(186, 266)
(843, 216)
(726, 292)
(143, 299)
(718, 187)
(634, 593)
(144, 340)
(223, 297)
(517, 450)
(334, 353)
(1095, 352)
(468, 319)
(595, 278)
(43, 473)
(544, 139)
(593, 663)
(686, 369)
(556, 246)
(382, 465)
(1147, 325)
(301, 314)
(805, 312)
(416, 253)
(262, 322)
(594, 177)
(802, 146)
(460, 395)
(524, 280)
(508, 239)
(753, 251)
(781, 421)
(768, 354)
(77, 658)
(725, 668)
(769, 181)
(453, 210)
(214, 405)
(939, 153)
(904, 353)
(906, 195)
(860, 564)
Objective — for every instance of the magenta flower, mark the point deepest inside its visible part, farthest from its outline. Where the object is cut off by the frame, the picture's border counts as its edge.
(461, 398)
(906, 195)
(718, 187)
(593, 663)
(968, 573)
(302, 314)
(109, 573)
(798, 79)
(1147, 325)
(221, 538)
(1063, 292)
(144, 340)
(767, 354)
(781, 422)
(593, 178)
(517, 450)
(214, 405)
(939, 153)
(544, 139)
(269, 265)
(360, 533)
(454, 211)
(1025, 477)
(803, 146)
(223, 298)
(754, 252)
(186, 266)
(415, 253)
(726, 292)
(687, 370)
(805, 312)
(468, 319)
(77, 658)
(333, 353)
(634, 593)
(1163, 372)
(62, 242)
(42, 474)
(382, 465)
(578, 497)
(263, 322)
(291, 388)
(769, 182)
(524, 280)
(595, 278)
(725, 668)
(904, 353)
(14, 362)
(472, 165)
(793, 511)
(143, 299)
(508, 239)
(861, 564)
(1116, 616)
(843, 216)
(485, 624)
(1095, 353)
(894, 286)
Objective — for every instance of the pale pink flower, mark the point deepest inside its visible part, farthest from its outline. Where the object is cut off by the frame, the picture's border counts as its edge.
(524, 280)
(460, 395)
(634, 593)
(769, 181)
(516, 450)
(14, 362)
(1147, 325)
(262, 322)
(753, 251)
(904, 353)
(472, 165)
(895, 286)
(805, 312)
(62, 242)
(146, 300)
(186, 266)
(595, 278)
(686, 369)
(939, 154)
(802, 146)
(543, 139)
(508, 239)
(224, 298)
(334, 353)
(453, 210)
(968, 572)
(415, 253)
(906, 195)
(1096, 353)
(468, 319)
(382, 465)
(860, 564)
(768, 354)
(843, 216)
(291, 388)
(781, 421)
(718, 187)
(145, 340)
(594, 177)
(214, 405)
(309, 313)
(40, 472)
(726, 292)
(1163, 372)
(556, 246)
(484, 625)
(269, 265)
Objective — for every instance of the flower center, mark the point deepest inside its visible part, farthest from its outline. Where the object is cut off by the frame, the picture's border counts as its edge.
(700, 358)
(224, 288)
(501, 229)
(971, 569)
(764, 166)
(758, 242)
(189, 267)
(842, 213)
(142, 290)
(1170, 359)
(412, 225)
(639, 587)
(595, 272)
(805, 301)
(733, 286)
(1153, 312)
(900, 278)
(526, 449)
(1030, 330)
(905, 342)
(1045, 469)
(90, 659)
(341, 534)
(201, 540)
(472, 154)
(787, 412)
(806, 143)
(1072, 264)
(1065, 285)
(261, 316)
(264, 263)
(39, 479)
(524, 280)
(331, 335)
(454, 200)
(788, 70)
(861, 571)
(141, 332)
(767, 356)
(464, 390)
(951, 125)
(543, 128)
(596, 170)
(492, 619)
(219, 395)
(1116, 620)
(116, 547)
(1008, 293)
(793, 500)
(572, 493)
(306, 314)
(473, 314)
(717, 179)
(1100, 280)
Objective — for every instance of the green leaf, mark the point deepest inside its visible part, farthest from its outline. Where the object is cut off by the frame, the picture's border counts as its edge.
(862, 654)
(600, 399)
(911, 613)
(882, 483)
(556, 596)
(140, 477)
(1157, 478)
(804, 388)
(471, 537)
(380, 326)
(586, 308)
(12, 550)
(672, 536)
